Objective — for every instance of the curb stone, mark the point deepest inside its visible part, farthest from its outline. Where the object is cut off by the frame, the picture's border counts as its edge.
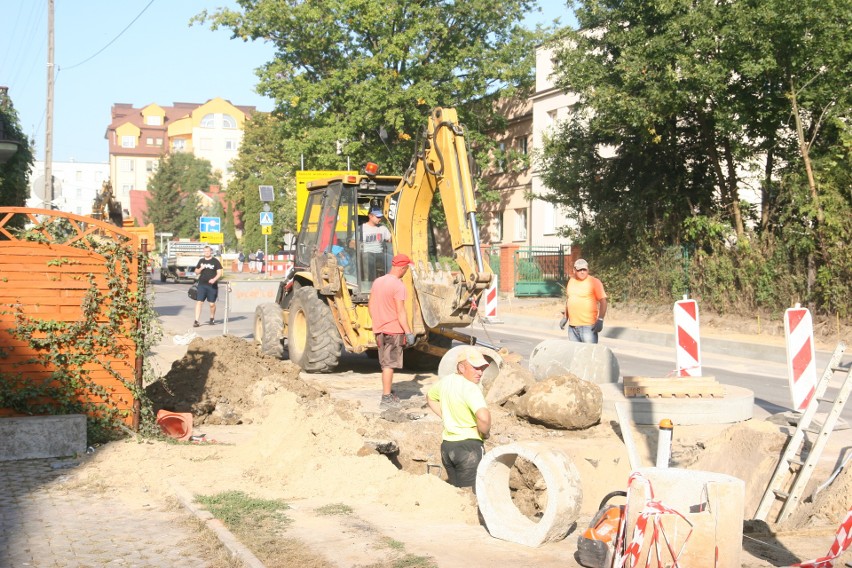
(235, 547)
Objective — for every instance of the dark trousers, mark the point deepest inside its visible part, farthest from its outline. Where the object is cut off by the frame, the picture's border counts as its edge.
(460, 460)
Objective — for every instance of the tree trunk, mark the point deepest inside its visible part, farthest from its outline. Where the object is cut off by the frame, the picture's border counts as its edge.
(766, 194)
(803, 148)
(733, 192)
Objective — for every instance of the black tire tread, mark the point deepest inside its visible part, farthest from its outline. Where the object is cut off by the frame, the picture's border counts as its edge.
(324, 344)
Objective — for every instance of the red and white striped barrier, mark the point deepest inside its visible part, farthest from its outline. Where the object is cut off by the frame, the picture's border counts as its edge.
(489, 297)
(279, 264)
(627, 552)
(841, 543)
(801, 357)
(687, 337)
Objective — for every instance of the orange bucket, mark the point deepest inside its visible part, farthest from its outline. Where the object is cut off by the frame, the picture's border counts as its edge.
(176, 425)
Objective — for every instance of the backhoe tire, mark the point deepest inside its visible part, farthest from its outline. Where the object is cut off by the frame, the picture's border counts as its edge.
(269, 329)
(313, 341)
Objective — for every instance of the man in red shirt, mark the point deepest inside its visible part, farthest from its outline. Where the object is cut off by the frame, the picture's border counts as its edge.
(585, 305)
(390, 324)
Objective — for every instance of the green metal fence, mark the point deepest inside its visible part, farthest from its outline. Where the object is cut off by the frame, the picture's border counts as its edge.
(541, 271)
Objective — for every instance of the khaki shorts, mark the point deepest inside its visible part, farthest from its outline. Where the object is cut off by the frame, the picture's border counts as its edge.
(390, 349)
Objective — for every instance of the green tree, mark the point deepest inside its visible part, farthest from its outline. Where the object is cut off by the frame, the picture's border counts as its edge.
(174, 205)
(15, 173)
(266, 158)
(354, 79)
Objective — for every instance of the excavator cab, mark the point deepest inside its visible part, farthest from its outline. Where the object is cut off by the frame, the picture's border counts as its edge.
(334, 223)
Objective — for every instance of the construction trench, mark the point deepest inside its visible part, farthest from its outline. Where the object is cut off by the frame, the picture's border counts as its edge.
(539, 485)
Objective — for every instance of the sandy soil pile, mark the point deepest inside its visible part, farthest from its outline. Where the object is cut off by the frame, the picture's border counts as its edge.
(221, 380)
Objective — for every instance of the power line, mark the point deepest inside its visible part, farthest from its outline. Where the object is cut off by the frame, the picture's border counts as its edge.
(113, 39)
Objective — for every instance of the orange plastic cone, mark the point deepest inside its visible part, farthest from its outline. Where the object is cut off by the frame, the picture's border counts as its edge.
(176, 425)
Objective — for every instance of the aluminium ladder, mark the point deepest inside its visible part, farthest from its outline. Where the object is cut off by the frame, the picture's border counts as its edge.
(794, 453)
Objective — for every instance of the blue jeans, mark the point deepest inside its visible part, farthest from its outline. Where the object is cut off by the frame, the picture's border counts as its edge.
(582, 334)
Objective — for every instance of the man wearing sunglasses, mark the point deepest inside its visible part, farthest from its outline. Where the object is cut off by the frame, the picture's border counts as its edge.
(585, 305)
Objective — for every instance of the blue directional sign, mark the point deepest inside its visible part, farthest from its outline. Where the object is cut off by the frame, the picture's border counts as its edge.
(265, 218)
(210, 225)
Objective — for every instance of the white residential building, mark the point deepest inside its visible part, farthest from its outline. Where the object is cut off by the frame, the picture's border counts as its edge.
(75, 185)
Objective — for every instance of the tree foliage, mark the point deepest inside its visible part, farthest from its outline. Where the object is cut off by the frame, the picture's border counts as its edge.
(174, 205)
(14, 174)
(366, 74)
(266, 158)
(685, 106)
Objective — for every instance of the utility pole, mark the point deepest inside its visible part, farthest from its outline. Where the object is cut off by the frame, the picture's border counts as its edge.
(48, 129)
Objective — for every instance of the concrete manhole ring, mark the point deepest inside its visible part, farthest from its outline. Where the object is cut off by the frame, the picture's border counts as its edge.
(502, 517)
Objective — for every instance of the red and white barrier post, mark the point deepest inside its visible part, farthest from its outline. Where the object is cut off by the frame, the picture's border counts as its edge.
(687, 338)
(489, 297)
(801, 356)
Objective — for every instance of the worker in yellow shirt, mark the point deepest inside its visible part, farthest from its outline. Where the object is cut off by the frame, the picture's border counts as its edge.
(458, 400)
(585, 305)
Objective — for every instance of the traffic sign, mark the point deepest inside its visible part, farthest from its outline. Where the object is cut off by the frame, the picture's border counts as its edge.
(210, 225)
(266, 229)
(266, 218)
(213, 238)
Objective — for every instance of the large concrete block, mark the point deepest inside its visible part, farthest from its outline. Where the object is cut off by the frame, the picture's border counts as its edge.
(33, 437)
(711, 502)
(593, 363)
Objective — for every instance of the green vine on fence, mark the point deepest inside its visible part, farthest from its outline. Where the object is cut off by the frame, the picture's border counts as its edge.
(73, 348)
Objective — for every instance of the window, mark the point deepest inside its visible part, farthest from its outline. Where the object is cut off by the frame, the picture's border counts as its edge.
(154, 120)
(228, 121)
(79, 193)
(149, 141)
(521, 144)
(128, 141)
(501, 156)
(179, 145)
(151, 166)
(79, 175)
(496, 229)
(548, 219)
(125, 165)
(209, 121)
(230, 144)
(520, 224)
(206, 144)
(159, 142)
(127, 188)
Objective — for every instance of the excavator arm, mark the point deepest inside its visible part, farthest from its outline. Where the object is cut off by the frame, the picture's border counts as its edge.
(442, 296)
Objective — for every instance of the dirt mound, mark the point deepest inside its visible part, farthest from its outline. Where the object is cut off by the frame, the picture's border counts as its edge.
(222, 380)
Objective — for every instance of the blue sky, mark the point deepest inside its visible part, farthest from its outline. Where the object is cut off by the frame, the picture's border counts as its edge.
(159, 58)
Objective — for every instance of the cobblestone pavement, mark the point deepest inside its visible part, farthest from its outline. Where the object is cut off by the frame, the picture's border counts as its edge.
(44, 523)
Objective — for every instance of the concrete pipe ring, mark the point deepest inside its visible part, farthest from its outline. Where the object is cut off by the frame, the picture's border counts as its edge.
(449, 363)
(503, 519)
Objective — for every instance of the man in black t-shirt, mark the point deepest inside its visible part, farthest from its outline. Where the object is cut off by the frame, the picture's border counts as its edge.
(209, 271)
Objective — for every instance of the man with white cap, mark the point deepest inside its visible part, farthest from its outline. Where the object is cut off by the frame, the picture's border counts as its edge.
(585, 305)
(458, 400)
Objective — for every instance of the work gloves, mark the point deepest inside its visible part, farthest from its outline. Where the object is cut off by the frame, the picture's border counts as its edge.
(598, 327)
(410, 338)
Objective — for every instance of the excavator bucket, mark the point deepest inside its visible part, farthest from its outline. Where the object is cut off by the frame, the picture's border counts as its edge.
(442, 300)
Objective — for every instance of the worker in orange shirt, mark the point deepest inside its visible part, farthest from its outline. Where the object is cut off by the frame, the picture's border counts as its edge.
(585, 305)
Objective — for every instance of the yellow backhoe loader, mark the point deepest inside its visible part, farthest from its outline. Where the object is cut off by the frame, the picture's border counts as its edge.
(321, 305)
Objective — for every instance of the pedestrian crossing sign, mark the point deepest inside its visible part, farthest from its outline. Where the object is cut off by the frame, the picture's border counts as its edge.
(266, 217)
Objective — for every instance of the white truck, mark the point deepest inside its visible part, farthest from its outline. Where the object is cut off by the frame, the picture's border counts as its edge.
(180, 259)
